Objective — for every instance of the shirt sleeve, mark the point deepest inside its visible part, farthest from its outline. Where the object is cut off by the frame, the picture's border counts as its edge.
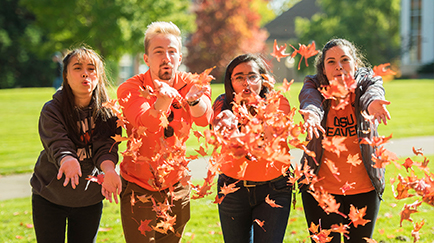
(310, 97)
(137, 109)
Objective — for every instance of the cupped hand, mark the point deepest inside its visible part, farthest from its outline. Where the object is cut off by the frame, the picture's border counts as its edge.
(312, 124)
(72, 170)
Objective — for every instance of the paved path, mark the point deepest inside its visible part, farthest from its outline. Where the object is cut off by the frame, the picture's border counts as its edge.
(16, 186)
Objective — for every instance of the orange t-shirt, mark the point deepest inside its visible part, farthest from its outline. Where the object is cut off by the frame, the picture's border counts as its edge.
(351, 176)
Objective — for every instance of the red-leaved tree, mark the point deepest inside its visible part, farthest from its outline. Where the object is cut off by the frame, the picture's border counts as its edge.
(225, 29)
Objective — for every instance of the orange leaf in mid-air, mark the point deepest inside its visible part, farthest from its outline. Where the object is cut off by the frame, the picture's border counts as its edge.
(341, 228)
(279, 52)
(354, 160)
(369, 240)
(286, 86)
(144, 226)
(333, 169)
(347, 186)
(118, 138)
(272, 203)
(356, 216)
(415, 231)
(98, 179)
(260, 223)
(334, 144)
(225, 190)
(381, 70)
(408, 210)
(201, 151)
(418, 151)
(305, 51)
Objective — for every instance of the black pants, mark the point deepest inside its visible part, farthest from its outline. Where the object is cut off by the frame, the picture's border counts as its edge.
(314, 214)
(50, 220)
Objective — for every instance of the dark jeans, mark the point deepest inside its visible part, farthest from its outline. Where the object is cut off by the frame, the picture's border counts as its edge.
(50, 219)
(239, 210)
(314, 213)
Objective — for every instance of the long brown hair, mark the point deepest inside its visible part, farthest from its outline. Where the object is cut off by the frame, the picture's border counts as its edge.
(99, 95)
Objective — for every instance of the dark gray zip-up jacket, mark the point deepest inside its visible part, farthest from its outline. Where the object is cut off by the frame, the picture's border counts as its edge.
(368, 89)
(57, 144)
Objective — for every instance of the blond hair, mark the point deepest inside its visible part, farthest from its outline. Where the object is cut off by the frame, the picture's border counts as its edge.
(166, 28)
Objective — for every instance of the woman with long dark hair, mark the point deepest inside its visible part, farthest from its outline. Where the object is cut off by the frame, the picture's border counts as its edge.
(75, 131)
(243, 212)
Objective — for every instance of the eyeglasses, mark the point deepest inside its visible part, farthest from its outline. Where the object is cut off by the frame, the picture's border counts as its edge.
(251, 78)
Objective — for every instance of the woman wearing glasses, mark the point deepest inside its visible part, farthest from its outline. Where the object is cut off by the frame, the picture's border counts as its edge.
(243, 211)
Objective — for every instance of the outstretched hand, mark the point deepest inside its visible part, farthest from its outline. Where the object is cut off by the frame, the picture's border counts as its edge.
(196, 92)
(312, 124)
(72, 170)
(377, 108)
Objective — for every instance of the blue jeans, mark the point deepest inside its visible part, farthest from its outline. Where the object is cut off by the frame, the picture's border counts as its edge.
(239, 210)
(50, 219)
(314, 214)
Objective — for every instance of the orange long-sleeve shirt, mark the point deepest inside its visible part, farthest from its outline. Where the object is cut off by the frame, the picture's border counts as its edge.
(256, 170)
(151, 168)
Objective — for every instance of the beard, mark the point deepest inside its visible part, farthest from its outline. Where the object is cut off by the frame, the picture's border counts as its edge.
(165, 75)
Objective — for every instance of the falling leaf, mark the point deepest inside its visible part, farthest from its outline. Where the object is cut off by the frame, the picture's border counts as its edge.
(408, 210)
(286, 86)
(98, 179)
(272, 203)
(381, 70)
(279, 52)
(260, 223)
(225, 190)
(356, 216)
(305, 51)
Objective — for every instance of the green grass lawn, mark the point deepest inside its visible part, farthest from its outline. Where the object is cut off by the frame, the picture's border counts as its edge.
(412, 112)
(16, 219)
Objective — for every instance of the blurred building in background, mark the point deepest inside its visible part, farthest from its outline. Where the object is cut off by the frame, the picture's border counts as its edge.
(417, 37)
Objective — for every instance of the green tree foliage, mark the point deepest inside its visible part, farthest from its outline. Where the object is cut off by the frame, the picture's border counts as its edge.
(372, 25)
(112, 27)
(31, 31)
(19, 66)
(225, 29)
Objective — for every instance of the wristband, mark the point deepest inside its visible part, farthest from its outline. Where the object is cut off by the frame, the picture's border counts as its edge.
(194, 102)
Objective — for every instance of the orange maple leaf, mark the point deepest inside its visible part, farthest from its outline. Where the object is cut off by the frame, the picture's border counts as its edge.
(381, 70)
(347, 186)
(356, 216)
(201, 151)
(418, 151)
(333, 169)
(369, 240)
(334, 144)
(260, 223)
(341, 228)
(225, 190)
(272, 203)
(144, 226)
(305, 51)
(415, 231)
(408, 210)
(118, 138)
(98, 179)
(286, 86)
(354, 160)
(279, 52)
